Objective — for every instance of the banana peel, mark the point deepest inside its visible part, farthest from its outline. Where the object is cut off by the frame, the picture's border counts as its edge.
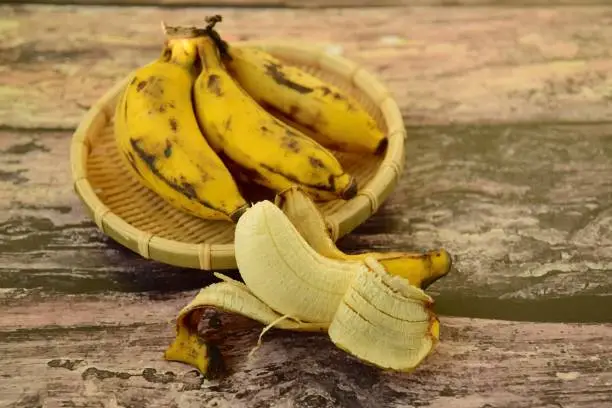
(230, 296)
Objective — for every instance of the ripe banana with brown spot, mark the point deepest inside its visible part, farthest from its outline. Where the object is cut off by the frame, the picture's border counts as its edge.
(420, 269)
(258, 146)
(332, 116)
(161, 144)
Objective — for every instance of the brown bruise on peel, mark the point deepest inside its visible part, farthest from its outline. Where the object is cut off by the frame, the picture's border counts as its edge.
(274, 71)
(173, 124)
(168, 149)
(338, 97)
(316, 186)
(214, 85)
(316, 163)
(183, 187)
(141, 85)
(290, 144)
(164, 106)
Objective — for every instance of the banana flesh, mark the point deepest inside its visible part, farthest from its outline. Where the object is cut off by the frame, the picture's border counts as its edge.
(420, 269)
(161, 144)
(266, 150)
(377, 317)
(334, 118)
(268, 248)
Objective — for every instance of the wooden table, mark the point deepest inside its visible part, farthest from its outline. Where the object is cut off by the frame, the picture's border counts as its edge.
(509, 163)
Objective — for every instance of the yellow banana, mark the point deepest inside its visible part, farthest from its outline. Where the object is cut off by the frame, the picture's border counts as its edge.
(159, 139)
(379, 318)
(247, 137)
(420, 269)
(333, 117)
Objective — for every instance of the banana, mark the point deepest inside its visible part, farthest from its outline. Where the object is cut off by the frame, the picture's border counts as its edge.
(332, 116)
(161, 144)
(379, 318)
(420, 269)
(282, 270)
(246, 136)
(385, 321)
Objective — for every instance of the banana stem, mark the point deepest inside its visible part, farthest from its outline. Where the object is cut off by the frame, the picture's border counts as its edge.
(222, 45)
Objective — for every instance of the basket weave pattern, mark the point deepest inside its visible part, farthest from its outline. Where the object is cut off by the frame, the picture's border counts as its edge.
(143, 222)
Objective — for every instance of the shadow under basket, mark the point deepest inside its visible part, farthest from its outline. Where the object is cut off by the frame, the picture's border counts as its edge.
(138, 219)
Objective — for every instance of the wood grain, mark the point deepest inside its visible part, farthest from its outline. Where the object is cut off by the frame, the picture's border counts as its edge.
(444, 65)
(524, 210)
(108, 352)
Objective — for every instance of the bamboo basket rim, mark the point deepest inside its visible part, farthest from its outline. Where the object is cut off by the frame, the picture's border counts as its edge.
(207, 256)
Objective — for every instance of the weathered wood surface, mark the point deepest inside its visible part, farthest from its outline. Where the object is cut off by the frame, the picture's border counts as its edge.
(444, 65)
(107, 353)
(524, 208)
(526, 218)
(321, 3)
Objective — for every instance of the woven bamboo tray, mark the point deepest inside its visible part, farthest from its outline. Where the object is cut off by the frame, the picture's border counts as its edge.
(139, 220)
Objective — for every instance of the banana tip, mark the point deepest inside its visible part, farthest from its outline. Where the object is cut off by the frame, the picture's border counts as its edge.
(350, 191)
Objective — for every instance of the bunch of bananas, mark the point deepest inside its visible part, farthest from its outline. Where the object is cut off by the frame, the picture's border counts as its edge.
(204, 117)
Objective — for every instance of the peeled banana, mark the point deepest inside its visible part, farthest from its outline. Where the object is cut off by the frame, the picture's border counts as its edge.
(263, 149)
(161, 144)
(335, 119)
(379, 318)
(420, 269)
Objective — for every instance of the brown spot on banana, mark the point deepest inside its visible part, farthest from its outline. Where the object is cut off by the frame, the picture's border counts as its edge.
(173, 124)
(168, 149)
(275, 72)
(141, 85)
(296, 180)
(316, 163)
(214, 84)
(228, 124)
(290, 144)
(293, 111)
(184, 188)
(336, 95)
